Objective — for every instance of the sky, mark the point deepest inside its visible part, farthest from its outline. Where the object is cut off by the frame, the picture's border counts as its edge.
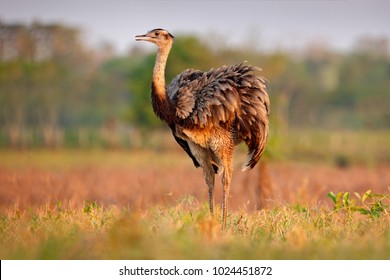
(264, 23)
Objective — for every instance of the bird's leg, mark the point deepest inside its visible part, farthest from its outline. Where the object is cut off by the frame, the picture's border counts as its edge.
(202, 155)
(226, 179)
(225, 154)
(209, 176)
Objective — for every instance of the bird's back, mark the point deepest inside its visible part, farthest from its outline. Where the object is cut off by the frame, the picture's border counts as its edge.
(233, 97)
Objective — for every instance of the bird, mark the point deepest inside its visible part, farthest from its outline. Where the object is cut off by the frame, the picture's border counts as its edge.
(210, 113)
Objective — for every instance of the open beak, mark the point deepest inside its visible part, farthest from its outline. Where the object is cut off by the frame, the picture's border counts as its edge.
(145, 37)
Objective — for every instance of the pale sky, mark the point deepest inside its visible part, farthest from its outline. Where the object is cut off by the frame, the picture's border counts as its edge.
(271, 24)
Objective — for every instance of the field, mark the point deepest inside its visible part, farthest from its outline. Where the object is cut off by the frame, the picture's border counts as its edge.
(123, 204)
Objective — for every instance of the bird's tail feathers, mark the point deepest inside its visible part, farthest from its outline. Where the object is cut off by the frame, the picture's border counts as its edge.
(252, 124)
(256, 148)
(246, 165)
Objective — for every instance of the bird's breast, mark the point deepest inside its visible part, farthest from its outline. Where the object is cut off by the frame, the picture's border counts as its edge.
(198, 136)
(209, 137)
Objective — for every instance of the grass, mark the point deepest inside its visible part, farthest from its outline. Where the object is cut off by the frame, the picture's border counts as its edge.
(96, 204)
(186, 231)
(335, 147)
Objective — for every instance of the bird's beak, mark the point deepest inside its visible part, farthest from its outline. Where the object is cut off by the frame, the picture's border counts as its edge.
(145, 37)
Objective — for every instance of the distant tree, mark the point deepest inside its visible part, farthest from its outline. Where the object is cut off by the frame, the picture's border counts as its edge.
(363, 94)
(42, 70)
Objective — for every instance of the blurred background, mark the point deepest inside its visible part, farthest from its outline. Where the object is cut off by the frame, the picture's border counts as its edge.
(72, 78)
(71, 74)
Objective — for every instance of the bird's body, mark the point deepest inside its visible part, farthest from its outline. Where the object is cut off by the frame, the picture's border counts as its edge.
(211, 112)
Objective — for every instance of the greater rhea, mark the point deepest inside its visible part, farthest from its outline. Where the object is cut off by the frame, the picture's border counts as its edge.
(211, 112)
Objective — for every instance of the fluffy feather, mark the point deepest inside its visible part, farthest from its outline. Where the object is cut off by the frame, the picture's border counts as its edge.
(231, 96)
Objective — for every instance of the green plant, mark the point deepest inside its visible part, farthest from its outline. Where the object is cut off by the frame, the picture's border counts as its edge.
(90, 206)
(371, 204)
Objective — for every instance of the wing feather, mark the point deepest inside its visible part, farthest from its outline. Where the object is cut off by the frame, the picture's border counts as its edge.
(234, 95)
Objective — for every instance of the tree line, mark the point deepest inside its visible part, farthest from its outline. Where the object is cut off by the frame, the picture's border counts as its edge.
(55, 91)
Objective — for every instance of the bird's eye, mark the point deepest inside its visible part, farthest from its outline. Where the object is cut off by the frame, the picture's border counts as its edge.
(156, 33)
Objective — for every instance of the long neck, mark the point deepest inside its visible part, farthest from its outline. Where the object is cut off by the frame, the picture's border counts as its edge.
(162, 105)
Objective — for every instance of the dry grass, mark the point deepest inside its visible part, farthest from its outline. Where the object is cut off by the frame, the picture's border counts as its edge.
(147, 205)
(139, 180)
(186, 231)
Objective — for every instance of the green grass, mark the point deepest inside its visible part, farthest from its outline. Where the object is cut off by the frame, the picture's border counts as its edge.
(62, 159)
(187, 231)
(335, 147)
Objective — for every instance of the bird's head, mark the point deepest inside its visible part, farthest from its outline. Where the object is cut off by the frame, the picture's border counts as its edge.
(158, 36)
